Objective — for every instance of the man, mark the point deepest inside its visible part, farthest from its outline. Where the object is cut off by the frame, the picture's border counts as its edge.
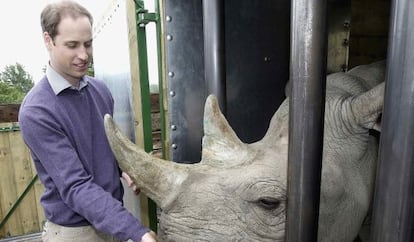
(61, 120)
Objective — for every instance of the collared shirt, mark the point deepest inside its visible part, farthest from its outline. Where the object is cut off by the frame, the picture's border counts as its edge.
(59, 83)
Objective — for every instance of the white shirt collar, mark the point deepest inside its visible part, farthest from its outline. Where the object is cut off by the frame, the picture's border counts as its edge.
(58, 83)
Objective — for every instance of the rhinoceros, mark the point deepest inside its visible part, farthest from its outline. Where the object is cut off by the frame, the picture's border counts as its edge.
(238, 191)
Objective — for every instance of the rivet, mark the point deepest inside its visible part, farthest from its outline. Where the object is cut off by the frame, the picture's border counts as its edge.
(345, 42)
(174, 146)
(168, 18)
(267, 59)
(169, 37)
(173, 127)
(171, 74)
(347, 24)
(172, 93)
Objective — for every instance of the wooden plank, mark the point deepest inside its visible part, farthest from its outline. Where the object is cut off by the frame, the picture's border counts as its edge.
(155, 103)
(17, 172)
(38, 190)
(9, 112)
(2, 215)
(8, 193)
(23, 176)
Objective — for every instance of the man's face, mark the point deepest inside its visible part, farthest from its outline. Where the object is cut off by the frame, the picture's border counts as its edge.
(71, 50)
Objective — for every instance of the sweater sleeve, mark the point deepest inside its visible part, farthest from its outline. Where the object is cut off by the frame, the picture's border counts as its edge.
(63, 170)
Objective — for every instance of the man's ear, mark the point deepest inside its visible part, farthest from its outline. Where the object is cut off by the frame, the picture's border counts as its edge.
(47, 40)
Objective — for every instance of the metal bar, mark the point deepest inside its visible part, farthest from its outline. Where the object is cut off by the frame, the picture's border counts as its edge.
(214, 50)
(393, 218)
(307, 101)
(144, 81)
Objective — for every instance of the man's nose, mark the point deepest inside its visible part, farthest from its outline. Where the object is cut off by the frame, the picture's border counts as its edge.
(83, 53)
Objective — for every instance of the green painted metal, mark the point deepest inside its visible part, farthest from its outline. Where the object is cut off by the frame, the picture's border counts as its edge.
(10, 129)
(18, 201)
(143, 75)
(143, 17)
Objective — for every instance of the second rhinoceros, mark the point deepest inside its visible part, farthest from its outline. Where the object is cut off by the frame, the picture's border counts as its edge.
(238, 191)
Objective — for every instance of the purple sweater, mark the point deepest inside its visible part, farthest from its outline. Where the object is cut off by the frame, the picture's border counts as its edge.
(73, 159)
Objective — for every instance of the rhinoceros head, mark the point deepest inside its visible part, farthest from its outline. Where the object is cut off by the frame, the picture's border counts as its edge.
(238, 192)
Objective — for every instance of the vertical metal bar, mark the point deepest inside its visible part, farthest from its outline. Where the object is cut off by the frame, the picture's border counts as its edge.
(145, 99)
(393, 218)
(214, 50)
(143, 78)
(307, 102)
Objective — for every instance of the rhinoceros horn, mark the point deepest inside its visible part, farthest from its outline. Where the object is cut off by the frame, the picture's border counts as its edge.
(221, 146)
(158, 179)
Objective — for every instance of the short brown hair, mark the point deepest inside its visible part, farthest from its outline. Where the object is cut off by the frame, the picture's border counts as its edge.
(53, 13)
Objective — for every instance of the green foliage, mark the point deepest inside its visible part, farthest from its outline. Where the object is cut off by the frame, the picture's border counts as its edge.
(91, 69)
(15, 82)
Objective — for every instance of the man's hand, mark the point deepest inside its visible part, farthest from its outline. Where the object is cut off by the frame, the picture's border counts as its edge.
(130, 183)
(149, 237)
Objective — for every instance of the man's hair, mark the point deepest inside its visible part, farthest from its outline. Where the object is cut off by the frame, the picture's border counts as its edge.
(53, 13)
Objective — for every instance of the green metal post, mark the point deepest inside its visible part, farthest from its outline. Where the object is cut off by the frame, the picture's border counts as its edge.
(143, 17)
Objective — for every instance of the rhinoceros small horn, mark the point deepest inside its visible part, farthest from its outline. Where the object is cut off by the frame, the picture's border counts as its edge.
(221, 146)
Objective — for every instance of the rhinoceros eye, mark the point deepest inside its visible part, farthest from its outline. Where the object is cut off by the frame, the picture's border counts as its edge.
(268, 203)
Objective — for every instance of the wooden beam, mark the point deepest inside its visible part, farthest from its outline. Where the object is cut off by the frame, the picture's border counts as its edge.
(9, 112)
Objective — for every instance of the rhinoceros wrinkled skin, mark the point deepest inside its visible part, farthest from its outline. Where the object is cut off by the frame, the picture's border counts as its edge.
(238, 192)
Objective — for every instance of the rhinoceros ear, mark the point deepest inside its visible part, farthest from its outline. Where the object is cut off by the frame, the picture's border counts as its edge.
(367, 107)
(221, 146)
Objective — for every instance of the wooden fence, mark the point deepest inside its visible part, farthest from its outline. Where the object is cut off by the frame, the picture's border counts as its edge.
(16, 173)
